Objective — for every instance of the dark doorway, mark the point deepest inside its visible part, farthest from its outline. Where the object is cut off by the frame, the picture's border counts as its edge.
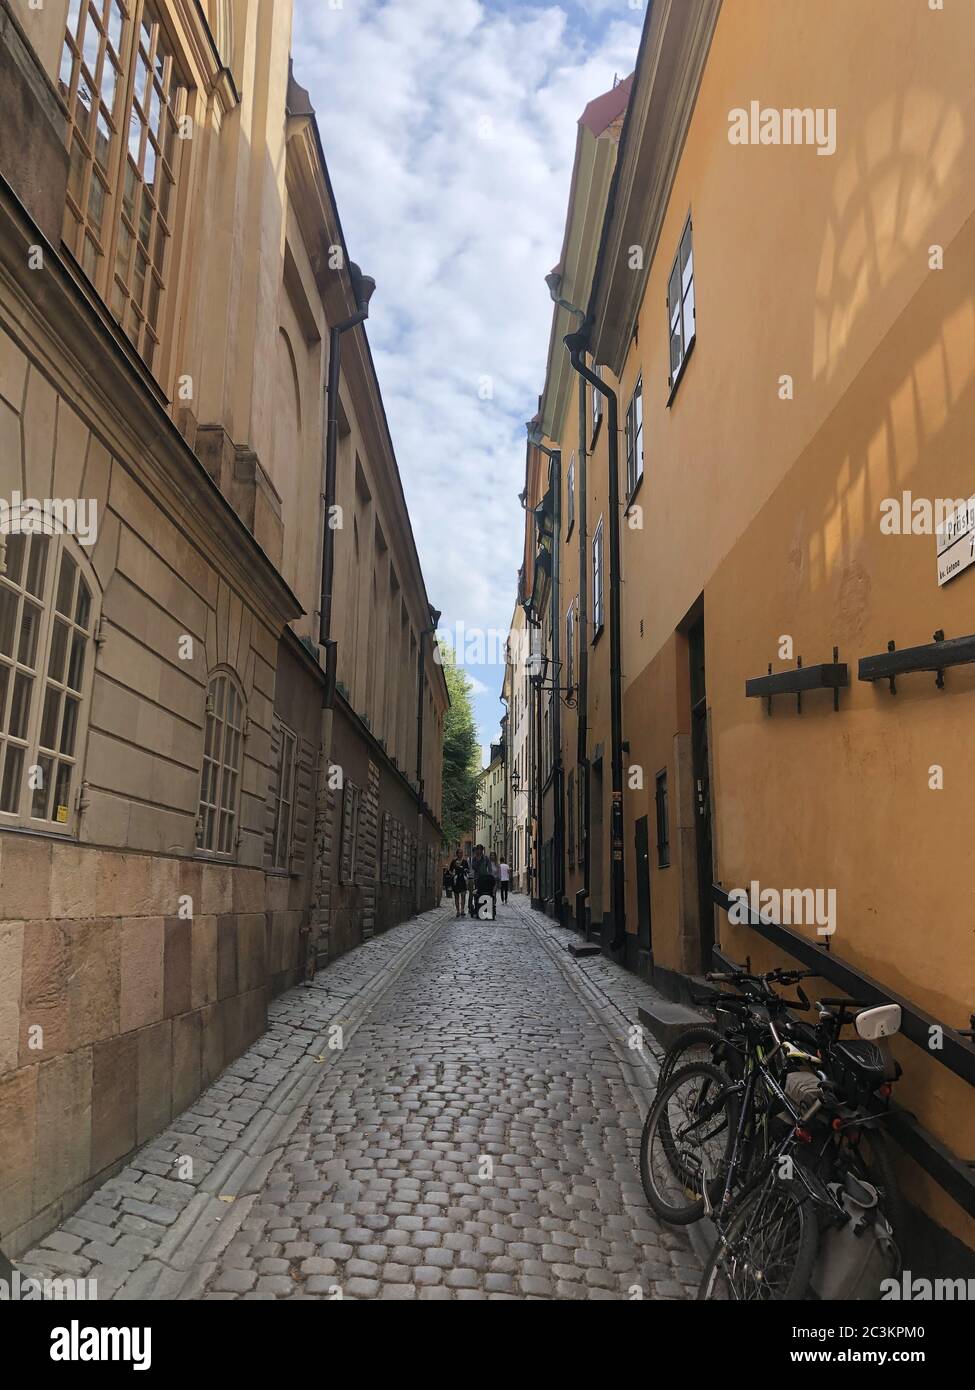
(596, 846)
(702, 790)
(642, 837)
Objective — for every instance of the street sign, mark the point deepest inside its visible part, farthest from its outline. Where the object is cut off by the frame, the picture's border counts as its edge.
(956, 541)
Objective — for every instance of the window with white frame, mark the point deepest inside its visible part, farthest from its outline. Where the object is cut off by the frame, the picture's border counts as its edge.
(680, 305)
(597, 402)
(284, 797)
(570, 644)
(634, 438)
(597, 579)
(223, 751)
(126, 102)
(570, 496)
(47, 625)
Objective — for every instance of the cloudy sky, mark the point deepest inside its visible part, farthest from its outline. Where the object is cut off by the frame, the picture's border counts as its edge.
(449, 127)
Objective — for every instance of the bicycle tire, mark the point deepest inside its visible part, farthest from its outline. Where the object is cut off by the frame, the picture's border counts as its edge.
(699, 1037)
(788, 1282)
(672, 1192)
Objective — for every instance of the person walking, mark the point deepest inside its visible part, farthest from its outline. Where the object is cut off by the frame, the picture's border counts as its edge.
(473, 873)
(448, 879)
(487, 884)
(458, 884)
(504, 879)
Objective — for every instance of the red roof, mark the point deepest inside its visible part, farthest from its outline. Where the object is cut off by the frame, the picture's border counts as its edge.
(600, 114)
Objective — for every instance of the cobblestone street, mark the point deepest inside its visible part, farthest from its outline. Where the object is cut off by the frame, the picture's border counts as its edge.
(475, 1134)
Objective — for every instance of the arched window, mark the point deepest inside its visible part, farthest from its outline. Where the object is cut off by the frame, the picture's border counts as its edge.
(223, 749)
(48, 612)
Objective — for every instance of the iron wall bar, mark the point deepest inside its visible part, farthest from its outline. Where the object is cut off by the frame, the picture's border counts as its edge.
(934, 656)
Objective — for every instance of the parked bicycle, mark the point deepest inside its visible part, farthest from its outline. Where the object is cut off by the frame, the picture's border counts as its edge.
(777, 1135)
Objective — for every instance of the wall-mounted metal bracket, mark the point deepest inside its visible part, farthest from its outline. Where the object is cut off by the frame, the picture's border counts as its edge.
(934, 656)
(827, 675)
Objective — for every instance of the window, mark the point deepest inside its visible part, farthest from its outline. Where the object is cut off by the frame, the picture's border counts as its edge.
(597, 402)
(680, 306)
(634, 438)
(663, 823)
(126, 102)
(284, 797)
(385, 866)
(223, 746)
(570, 496)
(570, 644)
(47, 622)
(350, 832)
(597, 580)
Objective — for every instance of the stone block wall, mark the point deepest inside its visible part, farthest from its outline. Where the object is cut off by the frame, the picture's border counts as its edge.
(115, 1011)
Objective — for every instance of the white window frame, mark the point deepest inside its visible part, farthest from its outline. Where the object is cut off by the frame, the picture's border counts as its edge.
(284, 799)
(570, 495)
(634, 438)
(570, 643)
(61, 817)
(597, 580)
(225, 799)
(681, 305)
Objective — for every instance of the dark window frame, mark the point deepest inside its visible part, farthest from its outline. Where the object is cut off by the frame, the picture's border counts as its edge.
(677, 334)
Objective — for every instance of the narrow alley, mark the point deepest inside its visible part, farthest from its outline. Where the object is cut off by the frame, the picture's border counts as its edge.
(471, 1132)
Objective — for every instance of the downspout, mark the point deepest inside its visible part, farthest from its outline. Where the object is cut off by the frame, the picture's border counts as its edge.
(363, 287)
(577, 344)
(558, 827)
(582, 700)
(420, 801)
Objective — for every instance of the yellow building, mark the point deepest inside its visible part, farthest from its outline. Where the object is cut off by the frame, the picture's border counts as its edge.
(781, 306)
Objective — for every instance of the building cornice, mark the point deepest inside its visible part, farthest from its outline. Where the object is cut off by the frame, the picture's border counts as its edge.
(676, 39)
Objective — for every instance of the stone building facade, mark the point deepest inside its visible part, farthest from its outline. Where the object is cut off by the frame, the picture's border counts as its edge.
(194, 794)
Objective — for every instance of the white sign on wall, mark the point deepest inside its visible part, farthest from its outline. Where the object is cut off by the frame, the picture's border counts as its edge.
(956, 541)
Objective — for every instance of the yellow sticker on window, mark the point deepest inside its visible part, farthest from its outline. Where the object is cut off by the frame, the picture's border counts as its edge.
(62, 814)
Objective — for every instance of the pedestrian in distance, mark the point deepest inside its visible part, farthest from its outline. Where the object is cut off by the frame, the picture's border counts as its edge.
(487, 886)
(448, 880)
(504, 880)
(473, 873)
(458, 884)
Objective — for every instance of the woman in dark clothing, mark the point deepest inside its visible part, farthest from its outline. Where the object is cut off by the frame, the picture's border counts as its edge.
(458, 882)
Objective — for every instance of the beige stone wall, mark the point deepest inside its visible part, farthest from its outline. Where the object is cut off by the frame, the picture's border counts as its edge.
(115, 1012)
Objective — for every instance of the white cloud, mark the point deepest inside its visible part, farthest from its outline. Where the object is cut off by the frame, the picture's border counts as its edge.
(449, 127)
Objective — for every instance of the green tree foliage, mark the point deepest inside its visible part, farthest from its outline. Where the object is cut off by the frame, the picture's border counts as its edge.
(461, 753)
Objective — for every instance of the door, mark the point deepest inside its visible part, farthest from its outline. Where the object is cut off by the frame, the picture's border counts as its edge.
(642, 837)
(702, 791)
(596, 846)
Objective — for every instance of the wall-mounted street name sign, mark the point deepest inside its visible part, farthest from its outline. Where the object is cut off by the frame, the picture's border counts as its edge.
(956, 541)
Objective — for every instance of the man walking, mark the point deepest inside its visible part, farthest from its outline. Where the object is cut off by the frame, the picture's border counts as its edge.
(504, 879)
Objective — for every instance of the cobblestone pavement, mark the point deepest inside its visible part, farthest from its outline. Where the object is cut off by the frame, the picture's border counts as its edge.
(474, 1136)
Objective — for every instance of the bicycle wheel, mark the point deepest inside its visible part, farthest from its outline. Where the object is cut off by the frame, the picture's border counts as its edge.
(687, 1141)
(769, 1248)
(702, 1043)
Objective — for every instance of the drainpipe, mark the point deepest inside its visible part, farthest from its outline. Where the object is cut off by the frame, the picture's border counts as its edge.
(363, 287)
(535, 732)
(577, 344)
(421, 683)
(582, 699)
